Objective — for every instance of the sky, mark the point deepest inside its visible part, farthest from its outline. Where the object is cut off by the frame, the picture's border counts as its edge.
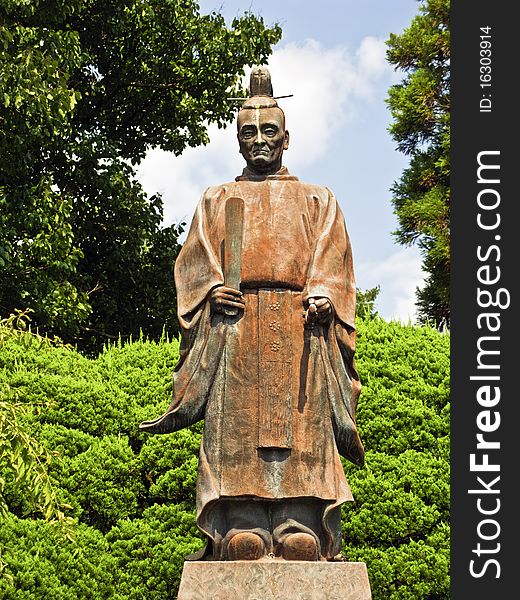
(332, 59)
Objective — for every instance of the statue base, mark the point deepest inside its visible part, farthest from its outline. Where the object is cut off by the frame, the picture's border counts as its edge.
(274, 580)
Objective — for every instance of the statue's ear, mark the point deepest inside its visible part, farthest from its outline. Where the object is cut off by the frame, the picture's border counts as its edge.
(286, 140)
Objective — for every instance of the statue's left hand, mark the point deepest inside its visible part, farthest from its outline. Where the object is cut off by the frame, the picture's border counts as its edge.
(319, 310)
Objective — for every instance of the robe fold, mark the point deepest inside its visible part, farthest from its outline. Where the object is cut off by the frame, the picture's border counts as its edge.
(278, 397)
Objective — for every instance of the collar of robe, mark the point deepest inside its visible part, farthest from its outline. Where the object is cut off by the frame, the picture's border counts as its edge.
(248, 175)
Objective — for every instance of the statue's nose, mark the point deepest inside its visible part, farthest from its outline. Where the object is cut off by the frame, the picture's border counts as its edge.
(259, 139)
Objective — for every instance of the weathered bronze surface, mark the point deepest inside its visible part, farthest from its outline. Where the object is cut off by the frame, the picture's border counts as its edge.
(266, 302)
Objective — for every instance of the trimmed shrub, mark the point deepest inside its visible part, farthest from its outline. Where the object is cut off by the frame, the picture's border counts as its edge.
(133, 495)
(43, 563)
(399, 521)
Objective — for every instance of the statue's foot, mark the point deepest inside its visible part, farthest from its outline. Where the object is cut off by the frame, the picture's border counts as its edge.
(245, 546)
(300, 546)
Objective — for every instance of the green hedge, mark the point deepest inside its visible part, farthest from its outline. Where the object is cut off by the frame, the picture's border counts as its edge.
(133, 495)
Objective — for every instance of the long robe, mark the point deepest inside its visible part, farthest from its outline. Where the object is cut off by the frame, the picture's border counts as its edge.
(278, 397)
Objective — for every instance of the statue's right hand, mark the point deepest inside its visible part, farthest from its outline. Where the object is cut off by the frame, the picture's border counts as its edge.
(222, 298)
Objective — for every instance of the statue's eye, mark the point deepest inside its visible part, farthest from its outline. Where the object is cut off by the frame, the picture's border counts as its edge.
(270, 131)
(247, 134)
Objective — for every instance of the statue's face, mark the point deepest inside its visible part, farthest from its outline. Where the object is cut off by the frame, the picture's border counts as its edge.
(262, 138)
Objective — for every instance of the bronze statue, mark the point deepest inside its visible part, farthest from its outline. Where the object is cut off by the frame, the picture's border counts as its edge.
(266, 302)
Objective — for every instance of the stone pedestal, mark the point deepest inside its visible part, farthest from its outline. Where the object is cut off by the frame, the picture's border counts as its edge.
(274, 580)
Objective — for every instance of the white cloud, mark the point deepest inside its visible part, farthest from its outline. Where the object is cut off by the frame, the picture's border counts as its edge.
(326, 83)
(399, 276)
(371, 63)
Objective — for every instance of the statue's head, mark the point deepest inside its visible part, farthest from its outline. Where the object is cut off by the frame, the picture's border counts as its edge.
(262, 136)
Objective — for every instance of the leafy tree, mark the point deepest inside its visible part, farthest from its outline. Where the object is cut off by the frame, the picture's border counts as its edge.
(86, 88)
(420, 107)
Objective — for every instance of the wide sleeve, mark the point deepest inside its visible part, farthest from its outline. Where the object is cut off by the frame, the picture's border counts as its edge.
(331, 270)
(331, 274)
(194, 376)
(197, 271)
(197, 268)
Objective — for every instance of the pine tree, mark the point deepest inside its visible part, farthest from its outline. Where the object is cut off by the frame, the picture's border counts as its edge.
(420, 107)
